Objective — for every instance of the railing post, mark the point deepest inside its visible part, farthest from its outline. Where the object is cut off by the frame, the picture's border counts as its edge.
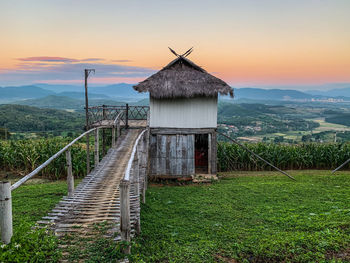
(144, 168)
(209, 153)
(127, 116)
(103, 131)
(136, 182)
(118, 128)
(113, 136)
(5, 212)
(87, 152)
(70, 177)
(125, 228)
(97, 148)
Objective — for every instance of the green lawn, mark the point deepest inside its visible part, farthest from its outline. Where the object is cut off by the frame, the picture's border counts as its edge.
(241, 218)
(30, 203)
(248, 218)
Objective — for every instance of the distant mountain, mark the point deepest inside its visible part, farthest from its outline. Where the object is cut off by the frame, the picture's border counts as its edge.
(61, 88)
(81, 95)
(340, 92)
(62, 102)
(270, 94)
(23, 92)
(120, 90)
(125, 92)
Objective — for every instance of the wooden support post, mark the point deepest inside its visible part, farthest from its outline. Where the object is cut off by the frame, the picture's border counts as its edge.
(87, 72)
(148, 148)
(127, 116)
(136, 173)
(97, 148)
(141, 165)
(103, 142)
(113, 136)
(87, 153)
(125, 227)
(104, 132)
(118, 129)
(209, 153)
(5, 212)
(70, 177)
(213, 153)
(144, 191)
(136, 182)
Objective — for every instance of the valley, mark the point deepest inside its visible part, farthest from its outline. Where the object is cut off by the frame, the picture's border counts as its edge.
(255, 115)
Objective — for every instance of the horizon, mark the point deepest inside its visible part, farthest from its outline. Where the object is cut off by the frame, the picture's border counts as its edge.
(302, 88)
(285, 45)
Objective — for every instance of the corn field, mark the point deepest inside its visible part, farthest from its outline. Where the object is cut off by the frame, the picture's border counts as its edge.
(23, 156)
(232, 157)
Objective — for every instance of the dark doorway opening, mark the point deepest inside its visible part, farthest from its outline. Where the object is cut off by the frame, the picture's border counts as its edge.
(201, 153)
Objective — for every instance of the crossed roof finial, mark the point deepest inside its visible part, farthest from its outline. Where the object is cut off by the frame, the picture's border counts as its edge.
(184, 54)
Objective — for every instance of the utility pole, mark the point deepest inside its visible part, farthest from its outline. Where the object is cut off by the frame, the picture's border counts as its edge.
(87, 73)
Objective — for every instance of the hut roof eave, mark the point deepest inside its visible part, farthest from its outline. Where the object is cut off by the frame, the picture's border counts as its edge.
(181, 78)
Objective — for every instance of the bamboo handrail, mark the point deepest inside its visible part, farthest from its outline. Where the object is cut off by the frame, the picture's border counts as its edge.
(118, 117)
(53, 157)
(128, 168)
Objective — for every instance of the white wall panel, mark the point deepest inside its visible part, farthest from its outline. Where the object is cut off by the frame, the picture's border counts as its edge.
(183, 113)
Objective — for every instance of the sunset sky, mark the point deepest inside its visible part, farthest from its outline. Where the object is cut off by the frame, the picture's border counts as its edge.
(259, 43)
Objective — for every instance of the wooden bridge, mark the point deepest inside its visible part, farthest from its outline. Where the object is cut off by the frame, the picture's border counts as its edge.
(111, 192)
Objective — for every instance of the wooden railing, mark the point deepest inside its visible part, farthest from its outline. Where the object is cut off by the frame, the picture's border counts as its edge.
(6, 188)
(131, 187)
(97, 114)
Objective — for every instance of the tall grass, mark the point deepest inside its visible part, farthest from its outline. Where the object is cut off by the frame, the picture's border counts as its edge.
(302, 156)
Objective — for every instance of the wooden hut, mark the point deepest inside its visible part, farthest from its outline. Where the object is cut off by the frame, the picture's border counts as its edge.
(183, 119)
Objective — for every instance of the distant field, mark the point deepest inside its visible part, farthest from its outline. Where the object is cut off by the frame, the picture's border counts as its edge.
(297, 135)
(327, 126)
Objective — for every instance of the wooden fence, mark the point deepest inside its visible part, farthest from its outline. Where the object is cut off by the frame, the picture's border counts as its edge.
(6, 188)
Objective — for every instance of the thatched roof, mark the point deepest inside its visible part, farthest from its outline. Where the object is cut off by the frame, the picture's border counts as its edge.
(181, 78)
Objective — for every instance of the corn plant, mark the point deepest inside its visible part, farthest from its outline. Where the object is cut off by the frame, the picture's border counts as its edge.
(285, 156)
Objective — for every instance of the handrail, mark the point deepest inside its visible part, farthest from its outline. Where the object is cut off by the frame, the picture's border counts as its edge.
(6, 188)
(128, 168)
(53, 157)
(118, 117)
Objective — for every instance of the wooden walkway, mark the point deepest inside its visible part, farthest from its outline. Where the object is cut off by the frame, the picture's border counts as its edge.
(96, 198)
(132, 123)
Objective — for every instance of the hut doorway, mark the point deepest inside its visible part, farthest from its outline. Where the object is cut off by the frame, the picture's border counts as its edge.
(201, 153)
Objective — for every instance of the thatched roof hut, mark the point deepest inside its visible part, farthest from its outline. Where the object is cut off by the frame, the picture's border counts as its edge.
(181, 78)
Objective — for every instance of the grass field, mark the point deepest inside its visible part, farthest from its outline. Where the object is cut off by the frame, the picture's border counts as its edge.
(30, 203)
(241, 218)
(249, 218)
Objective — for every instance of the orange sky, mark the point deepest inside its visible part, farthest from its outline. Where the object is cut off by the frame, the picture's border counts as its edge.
(245, 42)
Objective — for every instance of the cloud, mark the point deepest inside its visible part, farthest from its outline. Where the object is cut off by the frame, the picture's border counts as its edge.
(92, 59)
(49, 59)
(121, 60)
(51, 69)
